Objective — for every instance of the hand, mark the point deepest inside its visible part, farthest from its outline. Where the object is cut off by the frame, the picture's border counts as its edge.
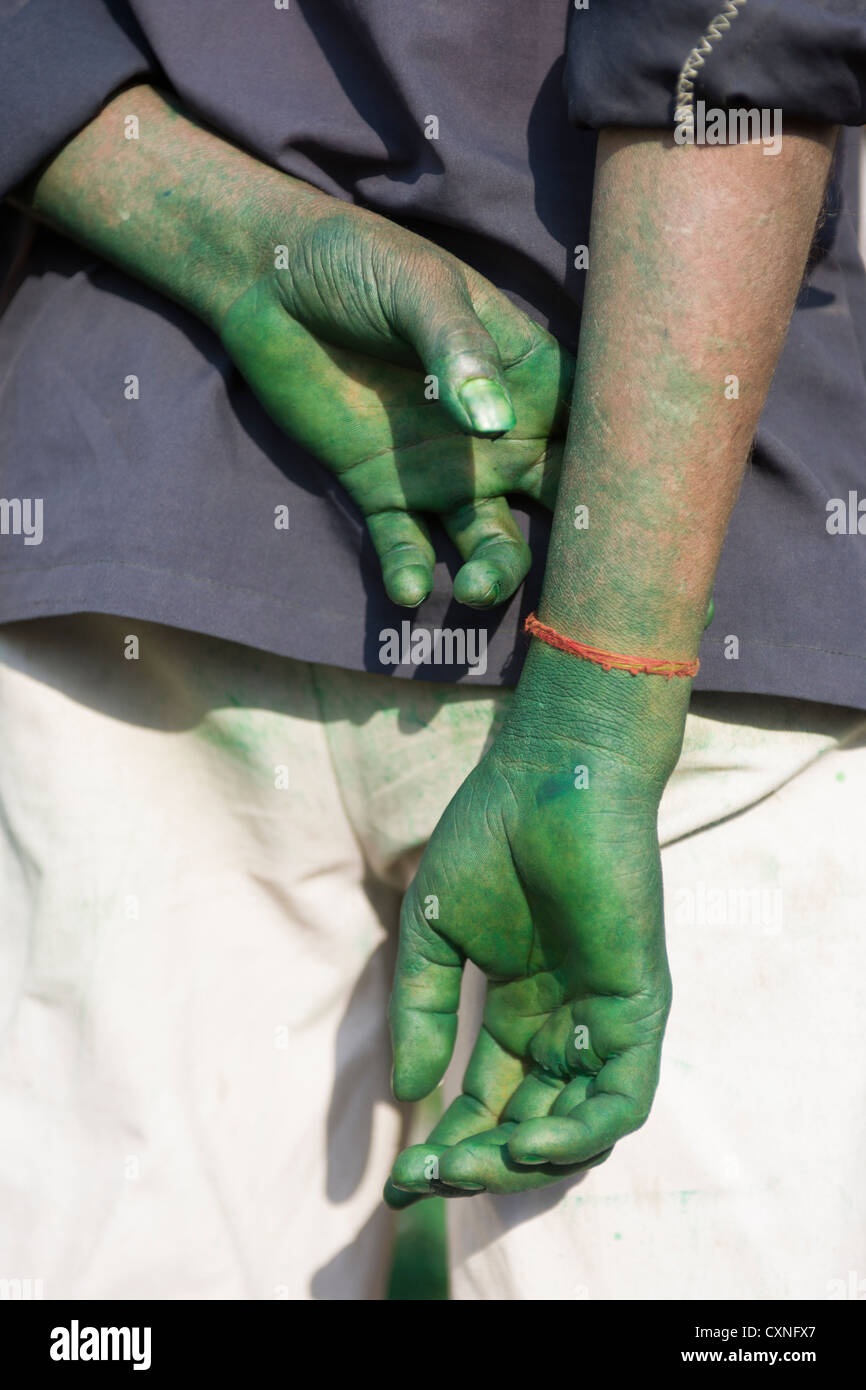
(312, 342)
(544, 871)
(346, 326)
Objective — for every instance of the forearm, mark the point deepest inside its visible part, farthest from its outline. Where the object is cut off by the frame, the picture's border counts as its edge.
(166, 206)
(697, 256)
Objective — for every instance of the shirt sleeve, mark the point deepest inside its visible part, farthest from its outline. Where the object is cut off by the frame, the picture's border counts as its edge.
(60, 60)
(639, 62)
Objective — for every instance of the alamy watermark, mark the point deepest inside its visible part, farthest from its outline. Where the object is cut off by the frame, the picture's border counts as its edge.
(703, 125)
(438, 646)
(706, 905)
(22, 516)
(77, 1343)
(21, 1290)
(846, 516)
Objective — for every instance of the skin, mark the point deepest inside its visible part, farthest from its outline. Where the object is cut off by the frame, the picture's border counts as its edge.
(549, 882)
(545, 867)
(337, 336)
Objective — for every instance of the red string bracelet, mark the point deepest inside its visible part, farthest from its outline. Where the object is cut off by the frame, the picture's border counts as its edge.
(610, 661)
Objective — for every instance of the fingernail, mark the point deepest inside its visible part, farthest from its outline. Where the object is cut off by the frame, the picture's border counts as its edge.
(489, 597)
(397, 1199)
(410, 586)
(464, 1186)
(487, 406)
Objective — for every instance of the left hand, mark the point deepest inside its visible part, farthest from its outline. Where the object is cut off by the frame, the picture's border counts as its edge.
(401, 456)
(395, 363)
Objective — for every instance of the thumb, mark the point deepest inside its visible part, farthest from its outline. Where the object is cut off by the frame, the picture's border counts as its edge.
(440, 322)
(424, 1001)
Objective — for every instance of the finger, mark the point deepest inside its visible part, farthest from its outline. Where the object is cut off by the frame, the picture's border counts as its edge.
(398, 1200)
(458, 353)
(406, 553)
(491, 1077)
(541, 479)
(485, 1162)
(564, 1044)
(536, 1096)
(423, 1010)
(414, 1175)
(571, 1095)
(497, 557)
(617, 1103)
(540, 371)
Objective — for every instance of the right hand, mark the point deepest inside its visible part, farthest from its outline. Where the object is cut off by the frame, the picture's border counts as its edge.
(550, 883)
(343, 349)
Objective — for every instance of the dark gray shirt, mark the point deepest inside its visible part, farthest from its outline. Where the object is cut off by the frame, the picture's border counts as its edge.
(163, 507)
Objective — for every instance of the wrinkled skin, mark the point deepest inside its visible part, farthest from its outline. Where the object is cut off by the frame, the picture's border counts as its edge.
(340, 348)
(554, 892)
(337, 318)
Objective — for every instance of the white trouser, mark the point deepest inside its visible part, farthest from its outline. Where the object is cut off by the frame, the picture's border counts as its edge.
(202, 852)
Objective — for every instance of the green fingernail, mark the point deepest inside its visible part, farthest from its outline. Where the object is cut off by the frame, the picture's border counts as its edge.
(409, 586)
(710, 611)
(464, 1186)
(488, 599)
(487, 406)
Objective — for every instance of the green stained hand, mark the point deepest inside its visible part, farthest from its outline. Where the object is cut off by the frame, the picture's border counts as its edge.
(312, 340)
(544, 871)
(397, 365)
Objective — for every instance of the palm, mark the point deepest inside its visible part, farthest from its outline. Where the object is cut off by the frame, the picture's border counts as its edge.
(554, 893)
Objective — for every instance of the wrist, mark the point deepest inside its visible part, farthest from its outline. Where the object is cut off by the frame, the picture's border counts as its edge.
(624, 588)
(238, 239)
(172, 203)
(562, 699)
